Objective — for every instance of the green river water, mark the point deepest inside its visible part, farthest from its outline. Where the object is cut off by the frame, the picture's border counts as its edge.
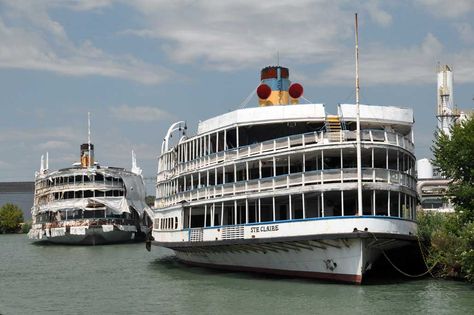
(126, 279)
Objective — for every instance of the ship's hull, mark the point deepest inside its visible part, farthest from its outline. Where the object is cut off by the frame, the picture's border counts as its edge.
(94, 235)
(340, 261)
(335, 259)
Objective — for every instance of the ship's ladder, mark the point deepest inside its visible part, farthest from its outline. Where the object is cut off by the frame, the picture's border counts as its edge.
(334, 127)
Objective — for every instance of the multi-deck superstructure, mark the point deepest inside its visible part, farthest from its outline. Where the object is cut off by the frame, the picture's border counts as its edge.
(88, 203)
(275, 188)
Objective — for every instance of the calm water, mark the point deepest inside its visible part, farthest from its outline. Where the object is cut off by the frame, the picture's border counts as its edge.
(126, 279)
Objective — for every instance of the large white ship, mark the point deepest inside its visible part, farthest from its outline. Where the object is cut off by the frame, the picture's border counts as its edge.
(89, 204)
(277, 188)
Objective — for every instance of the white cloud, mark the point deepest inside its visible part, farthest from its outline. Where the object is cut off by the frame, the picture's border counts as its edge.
(229, 35)
(466, 32)
(385, 65)
(447, 9)
(139, 113)
(37, 135)
(380, 16)
(86, 5)
(53, 145)
(32, 40)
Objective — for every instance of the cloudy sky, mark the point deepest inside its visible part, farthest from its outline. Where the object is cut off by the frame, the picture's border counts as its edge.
(139, 65)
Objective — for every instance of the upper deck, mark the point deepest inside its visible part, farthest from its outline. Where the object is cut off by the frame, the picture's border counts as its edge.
(400, 119)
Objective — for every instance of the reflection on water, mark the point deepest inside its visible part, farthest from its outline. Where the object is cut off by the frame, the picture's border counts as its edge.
(124, 279)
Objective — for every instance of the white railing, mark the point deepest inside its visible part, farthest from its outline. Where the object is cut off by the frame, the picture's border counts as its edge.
(287, 143)
(80, 186)
(195, 235)
(291, 180)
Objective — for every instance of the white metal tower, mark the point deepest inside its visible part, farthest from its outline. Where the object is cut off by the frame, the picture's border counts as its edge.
(446, 113)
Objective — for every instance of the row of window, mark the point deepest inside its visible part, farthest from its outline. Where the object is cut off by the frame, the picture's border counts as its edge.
(301, 206)
(166, 223)
(382, 158)
(77, 179)
(78, 194)
(48, 217)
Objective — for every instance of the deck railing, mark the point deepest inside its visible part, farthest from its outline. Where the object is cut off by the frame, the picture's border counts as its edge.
(99, 185)
(333, 176)
(288, 143)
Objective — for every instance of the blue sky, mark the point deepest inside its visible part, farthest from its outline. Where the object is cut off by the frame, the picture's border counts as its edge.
(138, 66)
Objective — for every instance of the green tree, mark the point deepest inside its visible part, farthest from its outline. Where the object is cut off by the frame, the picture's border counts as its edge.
(455, 158)
(452, 236)
(10, 218)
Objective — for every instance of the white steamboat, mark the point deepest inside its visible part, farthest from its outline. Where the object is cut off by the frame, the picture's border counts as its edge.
(88, 204)
(275, 188)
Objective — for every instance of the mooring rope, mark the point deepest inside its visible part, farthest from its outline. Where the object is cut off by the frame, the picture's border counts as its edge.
(429, 269)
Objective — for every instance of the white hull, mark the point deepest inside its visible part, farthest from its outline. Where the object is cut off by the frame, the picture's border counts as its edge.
(338, 260)
(338, 249)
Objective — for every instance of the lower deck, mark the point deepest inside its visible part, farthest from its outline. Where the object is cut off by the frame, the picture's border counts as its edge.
(299, 229)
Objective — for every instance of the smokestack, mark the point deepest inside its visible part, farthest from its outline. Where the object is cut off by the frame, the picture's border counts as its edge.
(87, 155)
(276, 88)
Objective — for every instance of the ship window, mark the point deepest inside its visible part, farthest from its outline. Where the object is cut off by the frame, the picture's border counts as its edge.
(381, 202)
(296, 164)
(78, 194)
(99, 177)
(231, 139)
(229, 176)
(332, 203)
(297, 207)
(266, 209)
(176, 223)
(367, 201)
(366, 158)
(109, 193)
(281, 165)
(394, 204)
(99, 193)
(380, 158)
(350, 202)
(88, 194)
(312, 203)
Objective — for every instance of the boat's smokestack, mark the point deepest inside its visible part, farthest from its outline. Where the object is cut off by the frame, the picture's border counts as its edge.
(276, 88)
(87, 155)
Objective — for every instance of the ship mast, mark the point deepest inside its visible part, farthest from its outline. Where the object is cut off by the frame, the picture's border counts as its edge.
(89, 137)
(358, 144)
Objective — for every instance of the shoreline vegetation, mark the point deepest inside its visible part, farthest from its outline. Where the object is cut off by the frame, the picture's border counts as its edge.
(450, 236)
(11, 220)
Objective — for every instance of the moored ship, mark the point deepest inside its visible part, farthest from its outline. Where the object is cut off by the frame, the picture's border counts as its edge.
(88, 204)
(279, 189)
